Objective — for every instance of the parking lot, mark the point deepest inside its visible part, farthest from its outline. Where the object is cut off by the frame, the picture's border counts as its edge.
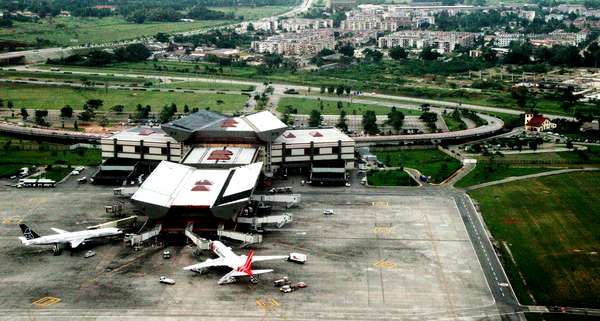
(377, 258)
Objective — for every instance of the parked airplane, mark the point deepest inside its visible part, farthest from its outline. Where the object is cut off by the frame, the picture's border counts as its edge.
(72, 239)
(241, 264)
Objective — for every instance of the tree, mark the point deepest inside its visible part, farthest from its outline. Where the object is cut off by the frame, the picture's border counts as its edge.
(315, 118)
(342, 125)
(568, 99)
(66, 112)
(166, 114)
(117, 108)
(372, 55)
(1, 102)
(133, 52)
(161, 37)
(24, 114)
(250, 27)
(339, 105)
(521, 95)
(369, 122)
(395, 119)
(94, 103)
(40, 117)
(330, 89)
(339, 90)
(10, 105)
(322, 89)
(186, 109)
(347, 50)
(398, 53)
(428, 53)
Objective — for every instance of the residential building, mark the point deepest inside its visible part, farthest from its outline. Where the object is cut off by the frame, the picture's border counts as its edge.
(441, 41)
(296, 44)
(298, 24)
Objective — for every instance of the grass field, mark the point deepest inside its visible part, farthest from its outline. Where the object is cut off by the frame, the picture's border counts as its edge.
(56, 173)
(552, 227)
(205, 85)
(492, 172)
(453, 124)
(16, 153)
(430, 162)
(253, 13)
(46, 97)
(394, 177)
(590, 156)
(73, 31)
(306, 105)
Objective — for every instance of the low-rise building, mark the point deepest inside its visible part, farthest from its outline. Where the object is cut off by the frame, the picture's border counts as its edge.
(538, 123)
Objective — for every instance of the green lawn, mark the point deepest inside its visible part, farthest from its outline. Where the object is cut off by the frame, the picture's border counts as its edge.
(16, 153)
(60, 77)
(394, 177)
(454, 124)
(69, 31)
(492, 172)
(52, 97)
(590, 156)
(552, 227)
(430, 162)
(56, 173)
(205, 85)
(305, 105)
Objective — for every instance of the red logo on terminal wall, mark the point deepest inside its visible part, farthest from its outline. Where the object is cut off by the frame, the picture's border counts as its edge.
(202, 186)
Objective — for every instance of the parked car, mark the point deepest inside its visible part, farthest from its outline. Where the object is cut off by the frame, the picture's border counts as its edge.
(166, 255)
(328, 212)
(300, 285)
(89, 253)
(166, 280)
(281, 282)
(297, 258)
(286, 289)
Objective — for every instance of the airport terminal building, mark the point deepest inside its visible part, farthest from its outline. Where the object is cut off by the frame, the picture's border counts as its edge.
(209, 163)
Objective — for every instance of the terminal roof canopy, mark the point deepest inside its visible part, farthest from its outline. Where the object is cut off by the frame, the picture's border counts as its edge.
(204, 123)
(172, 185)
(147, 134)
(317, 135)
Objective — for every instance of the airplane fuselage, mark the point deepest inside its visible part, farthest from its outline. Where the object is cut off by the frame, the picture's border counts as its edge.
(68, 237)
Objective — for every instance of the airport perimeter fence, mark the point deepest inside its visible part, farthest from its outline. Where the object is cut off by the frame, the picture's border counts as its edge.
(536, 162)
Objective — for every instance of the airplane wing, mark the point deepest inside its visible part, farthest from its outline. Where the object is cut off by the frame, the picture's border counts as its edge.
(254, 272)
(259, 258)
(206, 264)
(75, 243)
(59, 231)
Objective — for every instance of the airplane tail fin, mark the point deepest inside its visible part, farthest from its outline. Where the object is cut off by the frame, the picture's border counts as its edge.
(247, 267)
(28, 233)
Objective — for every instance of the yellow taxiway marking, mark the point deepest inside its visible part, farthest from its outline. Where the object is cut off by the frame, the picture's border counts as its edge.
(267, 304)
(45, 301)
(383, 204)
(12, 220)
(382, 230)
(385, 264)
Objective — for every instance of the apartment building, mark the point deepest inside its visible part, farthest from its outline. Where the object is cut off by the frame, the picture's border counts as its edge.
(296, 44)
(298, 24)
(442, 41)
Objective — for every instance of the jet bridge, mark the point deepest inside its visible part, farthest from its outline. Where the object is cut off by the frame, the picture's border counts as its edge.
(289, 200)
(257, 222)
(136, 239)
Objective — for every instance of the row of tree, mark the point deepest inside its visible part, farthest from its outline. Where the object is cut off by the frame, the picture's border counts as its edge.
(130, 53)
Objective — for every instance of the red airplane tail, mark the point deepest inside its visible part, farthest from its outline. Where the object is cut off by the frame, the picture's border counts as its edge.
(247, 267)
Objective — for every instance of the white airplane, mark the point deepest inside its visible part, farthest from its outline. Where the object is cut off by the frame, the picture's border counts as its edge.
(73, 239)
(241, 265)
